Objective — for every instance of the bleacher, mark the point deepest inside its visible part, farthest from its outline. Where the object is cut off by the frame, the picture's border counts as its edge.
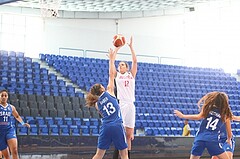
(52, 108)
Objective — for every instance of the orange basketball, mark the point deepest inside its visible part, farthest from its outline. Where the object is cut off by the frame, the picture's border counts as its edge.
(118, 40)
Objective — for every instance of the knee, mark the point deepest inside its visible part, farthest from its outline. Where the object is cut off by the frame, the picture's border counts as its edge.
(14, 150)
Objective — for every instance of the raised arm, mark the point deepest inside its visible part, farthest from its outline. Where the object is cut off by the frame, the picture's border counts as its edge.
(134, 59)
(112, 70)
(190, 117)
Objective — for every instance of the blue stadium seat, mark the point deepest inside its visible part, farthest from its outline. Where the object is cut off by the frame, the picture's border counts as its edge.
(33, 130)
(43, 130)
(74, 130)
(64, 130)
(22, 130)
(53, 130)
(94, 131)
(85, 131)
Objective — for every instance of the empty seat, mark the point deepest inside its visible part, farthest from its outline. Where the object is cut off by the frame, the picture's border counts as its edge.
(58, 120)
(74, 130)
(68, 121)
(40, 98)
(22, 130)
(43, 130)
(53, 130)
(64, 130)
(13, 97)
(23, 104)
(85, 131)
(34, 112)
(86, 114)
(70, 113)
(50, 105)
(25, 111)
(94, 131)
(60, 113)
(49, 120)
(43, 112)
(22, 97)
(59, 106)
(32, 104)
(53, 113)
(33, 130)
(57, 99)
(32, 97)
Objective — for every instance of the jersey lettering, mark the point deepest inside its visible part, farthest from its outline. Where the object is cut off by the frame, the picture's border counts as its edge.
(212, 124)
(109, 108)
(126, 83)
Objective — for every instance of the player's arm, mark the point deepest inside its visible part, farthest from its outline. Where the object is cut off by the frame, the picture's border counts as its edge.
(112, 65)
(229, 131)
(112, 71)
(236, 118)
(18, 117)
(190, 117)
(134, 59)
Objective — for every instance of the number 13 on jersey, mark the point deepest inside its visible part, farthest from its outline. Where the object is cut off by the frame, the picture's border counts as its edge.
(109, 108)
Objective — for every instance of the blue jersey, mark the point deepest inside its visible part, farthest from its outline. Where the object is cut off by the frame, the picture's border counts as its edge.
(109, 109)
(7, 130)
(5, 114)
(223, 133)
(210, 127)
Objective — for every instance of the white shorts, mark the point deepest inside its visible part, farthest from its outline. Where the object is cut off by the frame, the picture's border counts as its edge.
(128, 113)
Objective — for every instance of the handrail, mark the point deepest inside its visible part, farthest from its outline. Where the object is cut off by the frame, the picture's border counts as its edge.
(71, 49)
(121, 56)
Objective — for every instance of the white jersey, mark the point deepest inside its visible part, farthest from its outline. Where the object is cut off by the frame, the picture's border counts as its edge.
(125, 87)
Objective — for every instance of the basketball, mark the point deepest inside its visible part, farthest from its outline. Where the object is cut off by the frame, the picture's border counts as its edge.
(118, 40)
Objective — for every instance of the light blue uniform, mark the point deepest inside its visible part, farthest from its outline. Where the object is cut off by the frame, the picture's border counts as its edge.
(7, 130)
(208, 135)
(112, 129)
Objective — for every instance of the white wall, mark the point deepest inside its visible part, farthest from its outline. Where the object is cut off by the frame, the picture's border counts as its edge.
(206, 37)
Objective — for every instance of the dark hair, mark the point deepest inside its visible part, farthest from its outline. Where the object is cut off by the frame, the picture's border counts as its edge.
(126, 63)
(4, 90)
(217, 100)
(93, 95)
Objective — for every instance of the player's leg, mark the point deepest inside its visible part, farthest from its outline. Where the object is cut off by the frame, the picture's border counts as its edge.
(12, 144)
(223, 156)
(119, 141)
(194, 157)
(216, 150)
(1, 156)
(6, 153)
(123, 153)
(128, 114)
(129, 137)
(229, 153)
(197, 149)
(99, 154)
(115, 154)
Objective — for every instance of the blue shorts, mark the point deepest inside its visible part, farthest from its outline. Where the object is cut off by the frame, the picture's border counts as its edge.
(226, 146)
(214, 148)
(112, 133)
(5, 135)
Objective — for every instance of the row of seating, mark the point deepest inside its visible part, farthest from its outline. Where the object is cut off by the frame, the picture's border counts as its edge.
(168, 86)
(21, 75)
(159, 88)
(58, 126)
